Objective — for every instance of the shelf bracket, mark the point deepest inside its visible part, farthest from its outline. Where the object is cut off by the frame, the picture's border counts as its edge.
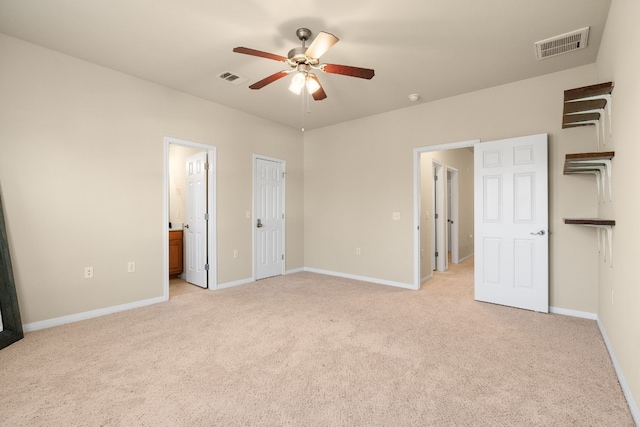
(604, 236)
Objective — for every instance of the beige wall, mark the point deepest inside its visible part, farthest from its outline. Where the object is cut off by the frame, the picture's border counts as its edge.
(462, 160)
(358, 173)
(619, 286)
(82, 179)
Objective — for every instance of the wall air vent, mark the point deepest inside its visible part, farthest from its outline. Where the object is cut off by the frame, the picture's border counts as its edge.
(563, 43)
(234, 79)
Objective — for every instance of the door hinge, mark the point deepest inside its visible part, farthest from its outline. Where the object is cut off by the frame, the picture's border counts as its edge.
(436, 216)
(206, 166)
(435, 177)
(206, 267)
(283, 174)
(436, 254)
(206, 216)
(282, 216)
(283, 257)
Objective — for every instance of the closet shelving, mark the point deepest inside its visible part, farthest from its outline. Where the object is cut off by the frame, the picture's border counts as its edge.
(598, 164)
(585, 106)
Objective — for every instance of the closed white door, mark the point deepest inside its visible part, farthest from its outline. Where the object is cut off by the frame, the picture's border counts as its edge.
(511, 223)
(195, 228)
(269, 218)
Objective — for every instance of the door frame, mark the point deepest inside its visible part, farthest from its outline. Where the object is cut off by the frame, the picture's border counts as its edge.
(438, 234)
(211, 208)
(416, 198)
(254, 249)
(454, 214)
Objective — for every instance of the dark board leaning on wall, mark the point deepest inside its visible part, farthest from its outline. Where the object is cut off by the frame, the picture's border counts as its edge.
(11, 323)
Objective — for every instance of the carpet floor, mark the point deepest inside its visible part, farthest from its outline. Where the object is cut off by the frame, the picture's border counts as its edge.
(313, 350)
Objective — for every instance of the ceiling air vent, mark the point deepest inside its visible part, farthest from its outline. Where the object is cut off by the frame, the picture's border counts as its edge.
(234, 79)
(562, 44)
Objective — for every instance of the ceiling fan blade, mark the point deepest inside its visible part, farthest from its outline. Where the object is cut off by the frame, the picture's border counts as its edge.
(321, 44)
(267, 80)
(363, 73)
(319, 94)
(259, 53)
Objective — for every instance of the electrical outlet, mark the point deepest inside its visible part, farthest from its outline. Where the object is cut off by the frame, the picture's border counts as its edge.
(470, 236)
(396, 216)
(88, 272)
(247, 214)
(131, 267)
(358, 251)
(235, 253)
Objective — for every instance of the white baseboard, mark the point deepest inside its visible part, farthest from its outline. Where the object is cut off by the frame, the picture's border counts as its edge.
(463, 259)
(425, 278)
(573, 313)
(635, 413)
(295, 270)
(50, 323)
(232, 284)
(362, 278)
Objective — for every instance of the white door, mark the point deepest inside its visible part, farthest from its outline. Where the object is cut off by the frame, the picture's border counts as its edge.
(269, 218)
(195, 228)
(511, 223)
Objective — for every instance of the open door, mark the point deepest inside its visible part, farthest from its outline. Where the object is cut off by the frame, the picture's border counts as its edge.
(511, 223)
(195, 228)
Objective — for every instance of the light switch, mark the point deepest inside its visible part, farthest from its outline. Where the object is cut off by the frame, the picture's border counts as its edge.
(396, 216)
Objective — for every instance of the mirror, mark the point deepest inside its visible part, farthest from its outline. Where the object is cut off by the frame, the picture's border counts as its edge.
(11, 325)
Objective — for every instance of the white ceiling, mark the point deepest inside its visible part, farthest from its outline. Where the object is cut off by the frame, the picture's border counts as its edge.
(437, 48)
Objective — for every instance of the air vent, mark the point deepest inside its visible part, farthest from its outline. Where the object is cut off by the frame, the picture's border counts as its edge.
(564, 43)
(234, 79)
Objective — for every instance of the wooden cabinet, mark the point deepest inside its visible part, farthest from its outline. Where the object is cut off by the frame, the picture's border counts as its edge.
(175, 253)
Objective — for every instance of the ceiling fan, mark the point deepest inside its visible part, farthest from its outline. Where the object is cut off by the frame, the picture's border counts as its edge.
(303, 61)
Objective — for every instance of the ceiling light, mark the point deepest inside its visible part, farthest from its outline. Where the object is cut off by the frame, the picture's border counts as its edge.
(297, 83)
(312, 84)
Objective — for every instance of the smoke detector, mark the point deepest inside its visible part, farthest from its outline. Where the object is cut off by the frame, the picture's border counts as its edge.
(564, 43)
(414, 97)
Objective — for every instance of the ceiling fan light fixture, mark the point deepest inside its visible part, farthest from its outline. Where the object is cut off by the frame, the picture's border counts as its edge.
(312, 84)
(297, 83)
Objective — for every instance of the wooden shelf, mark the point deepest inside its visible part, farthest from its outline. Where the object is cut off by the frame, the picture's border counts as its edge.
(592, 222)
(604, 228)
(585, 106)
(598, 164)
(588, 92)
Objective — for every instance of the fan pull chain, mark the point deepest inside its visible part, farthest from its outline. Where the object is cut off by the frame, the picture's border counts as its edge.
(303, 100)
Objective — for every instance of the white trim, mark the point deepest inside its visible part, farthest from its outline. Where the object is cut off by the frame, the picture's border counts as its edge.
(437, 227)
(57, 321)
(635, 413)
(212, 246)
(234, 283)
(425, 278)
(452, 194)
(416, 198)
(573, 313)
(463, 259)
(363, 278)
(294, 271)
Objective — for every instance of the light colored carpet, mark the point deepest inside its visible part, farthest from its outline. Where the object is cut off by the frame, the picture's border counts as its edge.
(307, 350)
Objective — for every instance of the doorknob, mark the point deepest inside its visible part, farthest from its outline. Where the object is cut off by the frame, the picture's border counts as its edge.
(259, 224)
(539, 233)
(186, 226)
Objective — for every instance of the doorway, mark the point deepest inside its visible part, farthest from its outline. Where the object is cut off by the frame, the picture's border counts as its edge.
(453, 164)
(176, 214)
